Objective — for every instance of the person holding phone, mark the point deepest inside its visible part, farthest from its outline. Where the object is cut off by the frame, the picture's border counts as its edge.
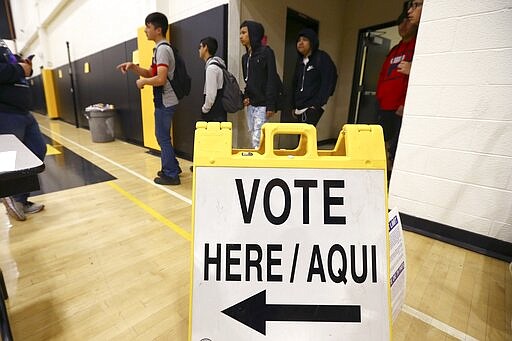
(15, 118)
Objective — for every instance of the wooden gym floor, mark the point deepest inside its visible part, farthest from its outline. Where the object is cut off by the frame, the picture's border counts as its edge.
(110, 261)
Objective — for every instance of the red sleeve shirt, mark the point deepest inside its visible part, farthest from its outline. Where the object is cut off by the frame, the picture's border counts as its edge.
(392, 85)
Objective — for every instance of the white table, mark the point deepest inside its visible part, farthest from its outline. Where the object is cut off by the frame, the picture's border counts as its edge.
(18, 174)
(18, 167)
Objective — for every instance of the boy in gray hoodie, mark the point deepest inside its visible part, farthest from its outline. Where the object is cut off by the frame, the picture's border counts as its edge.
(212, 109)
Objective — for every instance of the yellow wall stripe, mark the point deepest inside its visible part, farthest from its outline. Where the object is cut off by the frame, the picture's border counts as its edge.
(51, 150)
(152, 212)
(145, 48)
(50, 93)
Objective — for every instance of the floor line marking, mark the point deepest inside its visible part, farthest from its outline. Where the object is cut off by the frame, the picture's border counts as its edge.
(437, 324)
(152, 212)
(161, 187)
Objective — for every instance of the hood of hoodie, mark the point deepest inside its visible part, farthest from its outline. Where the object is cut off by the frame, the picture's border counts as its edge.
(312, 36)
(217, 60)
(256, 32)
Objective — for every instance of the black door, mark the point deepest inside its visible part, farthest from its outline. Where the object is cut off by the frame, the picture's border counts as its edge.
(373, 46)
(375, 49)
(186, 35)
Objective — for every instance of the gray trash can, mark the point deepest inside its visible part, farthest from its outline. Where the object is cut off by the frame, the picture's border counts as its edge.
(101, 122)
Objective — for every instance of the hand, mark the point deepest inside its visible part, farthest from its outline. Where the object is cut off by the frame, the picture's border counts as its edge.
(270, 114)
(124, 67)
(400, 111)
(404, 67)
(140, 83)
(27, 68)
(247, 102)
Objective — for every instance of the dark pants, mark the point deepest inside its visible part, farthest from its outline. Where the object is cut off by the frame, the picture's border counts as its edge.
(163, 121)
(311, 116)
(217, 112)
(26, 129)
(391, 124)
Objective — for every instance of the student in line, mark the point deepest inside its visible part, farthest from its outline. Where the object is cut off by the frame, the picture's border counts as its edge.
(314, 80)
(392, 85)
(260, 75)
(158, 76)
(212, 109)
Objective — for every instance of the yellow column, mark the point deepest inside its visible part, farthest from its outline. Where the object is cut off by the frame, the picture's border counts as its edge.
(145, 47)
(50, 93)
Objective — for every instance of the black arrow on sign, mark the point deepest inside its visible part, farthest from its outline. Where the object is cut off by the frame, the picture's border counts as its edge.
(254, 312)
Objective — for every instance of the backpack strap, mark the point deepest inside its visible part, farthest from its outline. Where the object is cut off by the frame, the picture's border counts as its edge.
(224, 70)
(217, 64)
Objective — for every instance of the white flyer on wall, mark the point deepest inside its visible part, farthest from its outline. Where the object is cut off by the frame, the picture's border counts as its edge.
(397, 262)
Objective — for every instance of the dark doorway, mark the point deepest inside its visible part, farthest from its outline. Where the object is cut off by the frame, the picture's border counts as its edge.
(373, 45)
(6, 23)
(372, 49)
(295, 22)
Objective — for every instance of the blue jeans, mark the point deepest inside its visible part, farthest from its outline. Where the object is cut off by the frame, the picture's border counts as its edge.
(26, 129)
(163, 122)
(256, 117)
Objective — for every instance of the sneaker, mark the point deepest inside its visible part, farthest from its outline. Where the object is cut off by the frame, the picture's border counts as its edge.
(160, 173)
(31, 207)
(14, 208)
(167, 180)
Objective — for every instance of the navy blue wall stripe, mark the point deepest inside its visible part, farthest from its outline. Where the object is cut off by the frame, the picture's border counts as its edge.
(469, 240)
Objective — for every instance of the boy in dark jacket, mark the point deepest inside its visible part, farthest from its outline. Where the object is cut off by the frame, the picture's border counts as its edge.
(260, 75)
(314, 80)
(15, 118)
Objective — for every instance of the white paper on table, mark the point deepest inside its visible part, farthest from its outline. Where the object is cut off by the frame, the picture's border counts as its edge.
(397, 262)
(7, 161)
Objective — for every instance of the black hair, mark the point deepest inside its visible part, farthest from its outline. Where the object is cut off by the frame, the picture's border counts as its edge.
(158, 20)
(401, 17)
(211, 44)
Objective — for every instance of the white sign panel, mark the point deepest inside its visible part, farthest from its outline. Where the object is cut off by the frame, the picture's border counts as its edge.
(290, 254)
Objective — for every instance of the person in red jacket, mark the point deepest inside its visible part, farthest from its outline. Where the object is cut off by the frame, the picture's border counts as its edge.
(393, 82)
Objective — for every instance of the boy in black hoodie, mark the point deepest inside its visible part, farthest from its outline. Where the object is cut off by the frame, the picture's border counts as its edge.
(15, 118)
(260, 75)
(314, 80)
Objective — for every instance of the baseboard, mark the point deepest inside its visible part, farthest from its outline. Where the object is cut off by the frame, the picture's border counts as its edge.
(485, 245)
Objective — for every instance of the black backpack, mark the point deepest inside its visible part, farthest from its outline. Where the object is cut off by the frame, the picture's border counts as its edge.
(181, 82)
(281, 96)
(281, 99)
(231, 94)
(332, 70)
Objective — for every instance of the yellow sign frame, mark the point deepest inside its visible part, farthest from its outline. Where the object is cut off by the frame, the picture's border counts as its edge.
(357, 147)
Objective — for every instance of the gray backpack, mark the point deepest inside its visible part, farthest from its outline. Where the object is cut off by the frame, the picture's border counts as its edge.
(232, 97)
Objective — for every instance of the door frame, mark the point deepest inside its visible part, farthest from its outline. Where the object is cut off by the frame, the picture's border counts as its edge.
(356, 78)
